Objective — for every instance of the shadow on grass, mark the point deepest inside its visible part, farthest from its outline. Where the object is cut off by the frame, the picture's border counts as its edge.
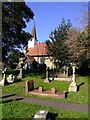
(6, 96)
(78, 87)
(6, 101)
(51, 116)
(10, 100)
(17, 80)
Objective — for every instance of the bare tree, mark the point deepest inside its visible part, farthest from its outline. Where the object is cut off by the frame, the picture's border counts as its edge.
(78, 45)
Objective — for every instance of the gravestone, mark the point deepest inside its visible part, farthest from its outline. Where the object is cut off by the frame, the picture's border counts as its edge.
(41, 89)
(20, 74)
(29, 85)
(67, 68)
(53, 90)
(20, 66)
(47, 75)
(10, 78)
(73, 86)
(41, 115)
(64, 72)
(3, 81)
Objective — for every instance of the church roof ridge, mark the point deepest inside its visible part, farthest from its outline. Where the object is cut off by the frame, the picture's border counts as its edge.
(38, 50)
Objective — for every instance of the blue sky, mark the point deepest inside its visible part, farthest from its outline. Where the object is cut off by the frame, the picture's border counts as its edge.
(48, 15)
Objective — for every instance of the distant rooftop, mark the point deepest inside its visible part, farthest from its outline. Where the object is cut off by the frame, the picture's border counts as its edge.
(38, 50)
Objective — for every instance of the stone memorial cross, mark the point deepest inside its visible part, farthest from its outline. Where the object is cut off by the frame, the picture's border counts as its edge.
(73, 74)
(73, 86)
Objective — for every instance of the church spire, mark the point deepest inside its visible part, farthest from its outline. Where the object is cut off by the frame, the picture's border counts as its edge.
(33, 33)
(33, 40)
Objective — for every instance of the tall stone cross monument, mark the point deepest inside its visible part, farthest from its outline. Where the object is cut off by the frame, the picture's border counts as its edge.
(73, 86)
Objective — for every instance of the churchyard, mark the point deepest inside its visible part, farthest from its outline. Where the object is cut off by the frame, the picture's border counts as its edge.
(40, 85)
(44, 77)
(18, 87)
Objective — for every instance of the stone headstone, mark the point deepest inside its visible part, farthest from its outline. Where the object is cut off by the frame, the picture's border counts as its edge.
(29, 86)
(40, 89)
(47, 75)
(67, 68)
(64, 72)
(21, 61)
(53, 90)
(73, 87)
(73, 74)
(20, 66)
(46, 80)
(3, 81)
(41, 115)
(10, 78)
(20, 74)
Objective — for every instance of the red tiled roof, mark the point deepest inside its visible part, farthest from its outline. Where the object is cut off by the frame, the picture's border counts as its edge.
(38, 50)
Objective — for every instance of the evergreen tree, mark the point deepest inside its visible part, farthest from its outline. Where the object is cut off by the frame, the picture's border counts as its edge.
(56, 45)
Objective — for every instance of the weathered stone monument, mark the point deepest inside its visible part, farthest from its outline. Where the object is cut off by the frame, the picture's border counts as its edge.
(73, 86)
(67, 71)
(10, 78)
(64, 72)
(29, 86)
(47, 75)
(41, 89)
(3, 81)
(41, 115)
(53, 90)
(20, 66)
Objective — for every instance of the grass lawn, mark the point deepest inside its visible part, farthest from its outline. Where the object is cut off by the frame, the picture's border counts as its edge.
(16, 109)
(79, 97)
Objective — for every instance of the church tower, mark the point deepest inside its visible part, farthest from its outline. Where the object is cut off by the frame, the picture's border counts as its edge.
(33, 40)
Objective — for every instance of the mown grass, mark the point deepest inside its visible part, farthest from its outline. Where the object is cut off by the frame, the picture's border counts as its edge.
(79, 97)
(16, 109)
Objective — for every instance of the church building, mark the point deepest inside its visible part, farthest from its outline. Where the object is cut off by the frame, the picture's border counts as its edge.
(37, 51)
